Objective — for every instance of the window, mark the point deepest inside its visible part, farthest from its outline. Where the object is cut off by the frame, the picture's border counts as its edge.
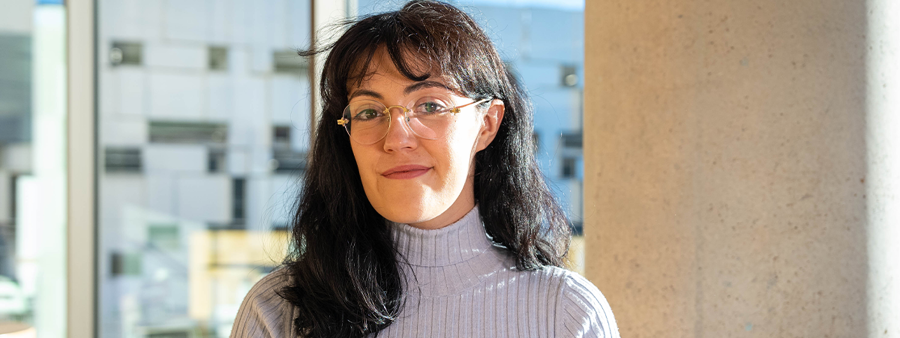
(238, 197)
(126, 53)
(212, 91)
(288, 62)
(569, 76)
(188, 132)
(216, 160)
(122, 160)
(218, 58)
(33, 168)
(568, 167)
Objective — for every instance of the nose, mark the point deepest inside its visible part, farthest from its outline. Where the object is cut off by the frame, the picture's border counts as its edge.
(399, 136)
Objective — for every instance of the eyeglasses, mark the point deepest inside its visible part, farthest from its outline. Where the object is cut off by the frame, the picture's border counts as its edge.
(368, 121)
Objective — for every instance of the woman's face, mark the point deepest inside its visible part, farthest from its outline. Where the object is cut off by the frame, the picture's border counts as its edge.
(408, 179)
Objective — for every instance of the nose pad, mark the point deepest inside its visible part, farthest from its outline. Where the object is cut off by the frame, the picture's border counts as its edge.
(403, 140)
(405, 112)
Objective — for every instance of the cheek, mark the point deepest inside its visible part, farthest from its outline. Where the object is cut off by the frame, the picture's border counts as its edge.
(364, 164)
(460, 149)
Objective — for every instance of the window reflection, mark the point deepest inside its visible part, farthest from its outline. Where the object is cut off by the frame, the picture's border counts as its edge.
(32, 168)
(542, 42)
(203, 129)
(203, 119)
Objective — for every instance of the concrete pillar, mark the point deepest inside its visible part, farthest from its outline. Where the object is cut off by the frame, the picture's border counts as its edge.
(725, 166)
(883, 159)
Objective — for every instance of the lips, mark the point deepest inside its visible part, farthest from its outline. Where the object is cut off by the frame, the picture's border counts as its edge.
(405, 171)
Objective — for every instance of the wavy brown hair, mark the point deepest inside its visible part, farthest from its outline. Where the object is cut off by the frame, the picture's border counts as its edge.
(345, 272)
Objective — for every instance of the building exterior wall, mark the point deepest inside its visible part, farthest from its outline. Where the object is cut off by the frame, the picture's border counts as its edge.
(158, 191)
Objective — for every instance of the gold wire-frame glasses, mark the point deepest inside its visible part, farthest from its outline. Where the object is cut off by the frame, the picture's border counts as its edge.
(426, 120)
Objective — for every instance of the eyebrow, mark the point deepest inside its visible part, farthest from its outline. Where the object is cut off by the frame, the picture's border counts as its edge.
(424, 84)
(406, 91)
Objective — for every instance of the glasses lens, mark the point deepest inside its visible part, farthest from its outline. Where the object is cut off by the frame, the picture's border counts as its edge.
(430, 117)
(368, 124)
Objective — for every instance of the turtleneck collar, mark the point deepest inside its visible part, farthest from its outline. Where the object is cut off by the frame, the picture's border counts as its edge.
(453, 244)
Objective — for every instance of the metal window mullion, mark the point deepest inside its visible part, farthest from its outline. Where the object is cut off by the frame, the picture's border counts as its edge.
(81, 159)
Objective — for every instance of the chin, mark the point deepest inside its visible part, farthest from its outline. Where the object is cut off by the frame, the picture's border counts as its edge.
(410, 210)
(406, 215)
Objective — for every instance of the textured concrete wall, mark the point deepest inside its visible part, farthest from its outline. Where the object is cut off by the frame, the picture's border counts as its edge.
(725, 156)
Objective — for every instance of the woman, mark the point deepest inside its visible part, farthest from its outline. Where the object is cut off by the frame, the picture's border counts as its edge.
(423, 212)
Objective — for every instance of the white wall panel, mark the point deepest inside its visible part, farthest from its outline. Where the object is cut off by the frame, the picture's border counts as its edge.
(160, 190)
(261, 58)
(241, 21)
(119, 193)
(132, 83)
(250, 113)
(5, 196)
(238, 162)
(204, 198)
(11, 18)
(297, 25)
(17, 157)
(219, 96)
(219, 21)
(108, 103)
(287, 99)
(284, 192)
(169, 158)
(176, 96)
(123, 131)
(186, 20)
(119, 19)
(186, 56)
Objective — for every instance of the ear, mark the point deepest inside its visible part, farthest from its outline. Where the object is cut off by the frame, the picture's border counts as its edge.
(491, 124)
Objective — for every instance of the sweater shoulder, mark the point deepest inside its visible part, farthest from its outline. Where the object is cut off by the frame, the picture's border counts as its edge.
(581, 309)
(264, 313)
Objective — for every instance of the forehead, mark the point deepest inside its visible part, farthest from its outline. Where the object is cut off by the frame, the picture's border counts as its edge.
(374, 73)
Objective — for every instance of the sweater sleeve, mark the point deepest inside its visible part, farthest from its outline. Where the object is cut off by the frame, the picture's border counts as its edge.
(263, 313)
(582, 311)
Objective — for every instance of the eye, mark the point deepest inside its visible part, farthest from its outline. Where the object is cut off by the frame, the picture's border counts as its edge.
(366, 114)
(430, 106)
(365, 111)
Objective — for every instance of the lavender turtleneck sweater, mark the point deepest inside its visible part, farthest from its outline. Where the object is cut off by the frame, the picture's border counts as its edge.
(458, 285)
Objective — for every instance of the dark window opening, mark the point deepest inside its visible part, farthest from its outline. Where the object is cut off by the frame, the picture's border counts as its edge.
(572, 140)
(188, 132)
(569, 76)
(288, 62)
(164, 236)
(126, 53)
(122, 160)
(238, 195)
(216, 160)
(125, 264)
(218, 58)
(568, 167)
(287, 161)
(281, 136)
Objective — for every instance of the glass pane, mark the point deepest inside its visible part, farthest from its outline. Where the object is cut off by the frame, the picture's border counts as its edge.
(543, 42)
(32, 168)
(203, 132)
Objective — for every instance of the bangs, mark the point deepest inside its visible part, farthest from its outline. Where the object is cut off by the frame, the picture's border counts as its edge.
(415, 66)
(423, 40)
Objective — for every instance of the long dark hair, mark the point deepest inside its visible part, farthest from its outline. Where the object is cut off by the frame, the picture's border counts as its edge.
(345, 274)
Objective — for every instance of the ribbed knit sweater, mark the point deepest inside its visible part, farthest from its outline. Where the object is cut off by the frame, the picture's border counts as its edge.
(458, 285)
